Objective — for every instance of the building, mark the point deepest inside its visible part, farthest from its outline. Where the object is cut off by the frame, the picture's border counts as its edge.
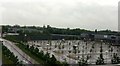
(104, 37)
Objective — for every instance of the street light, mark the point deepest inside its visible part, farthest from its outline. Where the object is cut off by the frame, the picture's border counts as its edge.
(47, 47)
(74, 47)
(63, 40)
(106, 55)
(25, 37)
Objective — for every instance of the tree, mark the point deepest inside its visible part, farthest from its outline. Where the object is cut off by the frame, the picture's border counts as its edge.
(47, 57)
(27, 46)
(95, 30)
(115, 59)
(44, 26)
(65, 64)
(93, 46)
(74, 48)
(100, 60)
(36, 50)
(53, 60)
(32, 48)
(101, 50)
(62, 46)
(82, 62)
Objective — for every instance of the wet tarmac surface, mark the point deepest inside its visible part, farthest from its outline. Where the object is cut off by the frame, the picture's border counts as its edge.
(64, 51)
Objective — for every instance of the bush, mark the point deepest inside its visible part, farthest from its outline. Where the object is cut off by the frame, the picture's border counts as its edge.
(115, 59)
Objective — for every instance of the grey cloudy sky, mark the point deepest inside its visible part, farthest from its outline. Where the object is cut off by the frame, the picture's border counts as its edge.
(88, 14)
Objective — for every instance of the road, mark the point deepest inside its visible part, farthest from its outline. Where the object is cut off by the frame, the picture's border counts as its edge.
(18, 52)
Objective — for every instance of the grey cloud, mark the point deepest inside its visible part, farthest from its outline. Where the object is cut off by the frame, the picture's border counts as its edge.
(58, 14)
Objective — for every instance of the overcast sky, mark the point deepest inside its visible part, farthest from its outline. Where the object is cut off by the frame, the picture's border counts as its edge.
(87, 14)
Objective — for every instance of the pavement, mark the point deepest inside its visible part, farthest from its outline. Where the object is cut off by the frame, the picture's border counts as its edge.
(44, 44)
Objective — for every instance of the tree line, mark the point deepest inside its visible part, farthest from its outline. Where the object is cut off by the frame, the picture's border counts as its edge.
(52, 30)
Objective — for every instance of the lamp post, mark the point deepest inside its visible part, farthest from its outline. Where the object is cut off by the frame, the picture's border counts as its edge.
(47, 47)
(101, 46)
(86, 48)
(74, 47)
(106, 55)
(25, 39)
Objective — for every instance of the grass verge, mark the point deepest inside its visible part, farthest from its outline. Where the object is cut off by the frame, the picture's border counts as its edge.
(5, 60)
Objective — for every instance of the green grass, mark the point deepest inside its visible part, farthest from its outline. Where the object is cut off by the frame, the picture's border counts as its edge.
(0, 51)
(30, 54)
(5, 60)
